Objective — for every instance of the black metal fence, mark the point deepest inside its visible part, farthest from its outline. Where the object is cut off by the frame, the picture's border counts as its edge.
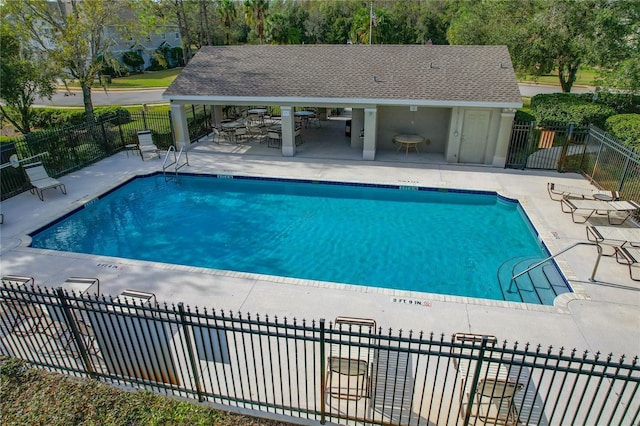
(348, 371)
(71, 148)
(609, 163)
(546, 147)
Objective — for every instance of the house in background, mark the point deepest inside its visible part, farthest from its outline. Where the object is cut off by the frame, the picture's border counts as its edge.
(164, 40)
(461, 98)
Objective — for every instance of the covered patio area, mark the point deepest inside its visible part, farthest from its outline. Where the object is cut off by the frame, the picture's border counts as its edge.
(327, 142)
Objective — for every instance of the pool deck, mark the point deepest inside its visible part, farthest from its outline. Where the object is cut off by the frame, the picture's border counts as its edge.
(600, 316)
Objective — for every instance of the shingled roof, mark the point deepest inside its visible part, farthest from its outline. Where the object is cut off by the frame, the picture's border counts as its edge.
(350, 74)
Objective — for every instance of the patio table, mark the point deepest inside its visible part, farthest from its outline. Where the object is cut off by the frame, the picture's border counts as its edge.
(406, 141)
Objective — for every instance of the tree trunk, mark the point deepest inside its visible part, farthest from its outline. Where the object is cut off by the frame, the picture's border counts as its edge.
(567, 75)
(88, 103)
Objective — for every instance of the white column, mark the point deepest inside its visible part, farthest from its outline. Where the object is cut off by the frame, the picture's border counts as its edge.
(453, 139)
(288, 129)
(218, 115)
(357, 124)
(180, 126)
(370, 130)
(502, 140)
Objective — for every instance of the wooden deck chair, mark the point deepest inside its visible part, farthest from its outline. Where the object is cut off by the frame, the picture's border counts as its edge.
(40, 179)
(546, 139)
(350, 365)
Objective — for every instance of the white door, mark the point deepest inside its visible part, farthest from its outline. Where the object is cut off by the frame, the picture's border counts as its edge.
(473, 143)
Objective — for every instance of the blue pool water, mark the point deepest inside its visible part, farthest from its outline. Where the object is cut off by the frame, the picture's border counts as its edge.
(435, 241)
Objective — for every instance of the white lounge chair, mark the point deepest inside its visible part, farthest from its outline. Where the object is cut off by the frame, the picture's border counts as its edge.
(621, 210)
(629, 256)
(613, 237)
(145, 144)
(350, 363)
(40, 179)
(558, 192)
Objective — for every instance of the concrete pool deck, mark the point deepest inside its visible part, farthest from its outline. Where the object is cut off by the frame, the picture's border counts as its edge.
(600, 316)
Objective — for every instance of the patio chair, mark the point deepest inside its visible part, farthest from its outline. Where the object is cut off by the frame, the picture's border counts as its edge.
(613, 237)
(241, 133)
(558, 192)
(218, 136)
(620, 210)
(350, 365)
(494, 401)
(257, 132)
(28, 316)
(40, 179)
(145, 144)
(314, 121)
(629, 256)
(465, 366)
(298, 137)
(274, 140)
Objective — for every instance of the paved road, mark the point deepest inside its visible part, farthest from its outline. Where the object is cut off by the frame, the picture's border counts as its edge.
(151, 96)
(100, 98)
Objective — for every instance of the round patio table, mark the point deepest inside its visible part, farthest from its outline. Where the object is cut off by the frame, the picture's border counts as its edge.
(260, 111)
(406, 141)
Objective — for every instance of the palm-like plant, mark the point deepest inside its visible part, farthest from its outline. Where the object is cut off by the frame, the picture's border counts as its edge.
(255, 12)
(227, 12)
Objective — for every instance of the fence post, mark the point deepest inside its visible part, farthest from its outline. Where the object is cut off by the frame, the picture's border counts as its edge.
(323, 369)
(71, 323)
(192, 358)
(144, 119)
(563, 154)
(529, 141)
(476, 377)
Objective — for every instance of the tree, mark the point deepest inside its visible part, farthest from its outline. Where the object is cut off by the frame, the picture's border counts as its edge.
(255, 12)
(543, 34)
(228, 13)
(24, 77)
(74, 34)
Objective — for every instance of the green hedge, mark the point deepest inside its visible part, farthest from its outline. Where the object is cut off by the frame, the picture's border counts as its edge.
(52, 118)
(524, 116)
(623, 103)
(568, 108)
(625, 128)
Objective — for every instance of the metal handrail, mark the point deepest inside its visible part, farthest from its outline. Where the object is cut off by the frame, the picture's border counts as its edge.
(166, 157)
(582, 243)
(176, 160)
(186, 157)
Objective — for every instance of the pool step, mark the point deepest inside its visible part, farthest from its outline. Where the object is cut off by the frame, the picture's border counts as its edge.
(539, 286)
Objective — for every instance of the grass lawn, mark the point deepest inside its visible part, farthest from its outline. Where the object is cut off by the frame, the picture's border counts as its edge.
(149, 79)
(35, 397)
(585, 77)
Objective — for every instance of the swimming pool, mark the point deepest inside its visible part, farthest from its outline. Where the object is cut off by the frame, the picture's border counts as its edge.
(407, 238)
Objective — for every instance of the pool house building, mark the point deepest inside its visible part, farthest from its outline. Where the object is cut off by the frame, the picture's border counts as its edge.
(459, 100)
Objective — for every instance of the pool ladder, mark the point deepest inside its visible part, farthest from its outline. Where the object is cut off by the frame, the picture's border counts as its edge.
(582, 243)
(176, 161)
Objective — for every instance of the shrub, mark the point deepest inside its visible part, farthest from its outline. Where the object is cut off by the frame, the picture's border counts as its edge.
(568, 108)
(523, 116)
(133, 59)
(625, 128)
